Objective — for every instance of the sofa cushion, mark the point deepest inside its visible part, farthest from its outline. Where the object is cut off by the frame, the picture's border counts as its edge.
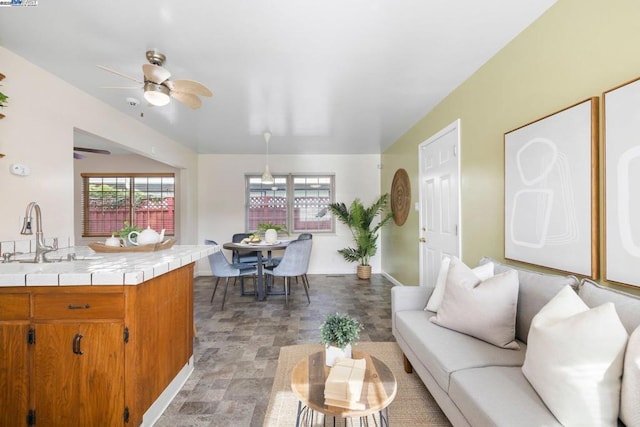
(630, 391)
(498, 396)
(485, 310)
(483, 272)
(535, 290)
(574, 360)
(627, 306)
(443, 351)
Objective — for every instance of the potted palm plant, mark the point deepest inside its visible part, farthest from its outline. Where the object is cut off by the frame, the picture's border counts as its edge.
(360, 219)
(337, 333)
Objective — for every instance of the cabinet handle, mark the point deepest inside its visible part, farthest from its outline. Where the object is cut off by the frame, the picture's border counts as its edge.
(76, 344)
(78, 307)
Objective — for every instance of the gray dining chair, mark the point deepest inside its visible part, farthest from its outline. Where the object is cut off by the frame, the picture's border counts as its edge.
(220, 267)
(294, 263)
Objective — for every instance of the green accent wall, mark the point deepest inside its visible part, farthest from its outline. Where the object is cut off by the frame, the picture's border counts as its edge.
(576, 50)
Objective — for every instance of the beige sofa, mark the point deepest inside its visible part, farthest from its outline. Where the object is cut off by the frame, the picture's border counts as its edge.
(479, 384)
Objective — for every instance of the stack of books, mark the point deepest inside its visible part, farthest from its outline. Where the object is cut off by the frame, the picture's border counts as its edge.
(344, 384)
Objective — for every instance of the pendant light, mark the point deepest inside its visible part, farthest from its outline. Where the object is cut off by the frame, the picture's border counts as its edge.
(267, 178)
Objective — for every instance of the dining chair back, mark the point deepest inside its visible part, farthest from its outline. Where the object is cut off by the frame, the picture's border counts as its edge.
(220, 267)
(294, 263)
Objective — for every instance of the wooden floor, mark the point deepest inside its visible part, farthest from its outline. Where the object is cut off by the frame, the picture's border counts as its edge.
(237, 349)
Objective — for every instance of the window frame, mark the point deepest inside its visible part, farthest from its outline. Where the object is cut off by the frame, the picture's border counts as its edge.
(131, 197)
(290, 196)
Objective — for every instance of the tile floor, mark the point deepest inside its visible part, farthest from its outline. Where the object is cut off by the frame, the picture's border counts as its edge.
(237, 349)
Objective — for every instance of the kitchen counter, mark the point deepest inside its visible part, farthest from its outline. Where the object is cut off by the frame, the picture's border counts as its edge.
(91, 268)
(114, 335)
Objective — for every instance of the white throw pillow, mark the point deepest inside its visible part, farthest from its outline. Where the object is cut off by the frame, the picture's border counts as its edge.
(483, 309)
(630, 394)
(438, 291)
(483, 272)
(574, 360)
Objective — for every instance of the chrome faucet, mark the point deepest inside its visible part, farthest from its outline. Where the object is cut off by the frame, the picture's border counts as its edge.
(41, 248)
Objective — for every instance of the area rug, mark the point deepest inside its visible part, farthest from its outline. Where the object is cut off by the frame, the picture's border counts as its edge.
(412, 406)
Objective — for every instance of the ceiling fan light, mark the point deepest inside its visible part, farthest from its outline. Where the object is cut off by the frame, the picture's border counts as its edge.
(156, 94)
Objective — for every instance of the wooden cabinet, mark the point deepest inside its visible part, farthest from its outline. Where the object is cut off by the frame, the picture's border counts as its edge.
(78, 358)
(14, 385)
(92, 355)
(78, 374)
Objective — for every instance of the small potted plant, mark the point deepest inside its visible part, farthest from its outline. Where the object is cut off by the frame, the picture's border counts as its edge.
(337, 333)
(125, 230)
(271, 231)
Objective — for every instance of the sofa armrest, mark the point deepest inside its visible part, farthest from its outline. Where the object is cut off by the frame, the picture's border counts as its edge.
(408, 298)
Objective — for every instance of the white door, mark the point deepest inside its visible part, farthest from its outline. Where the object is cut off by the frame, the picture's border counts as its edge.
(439, 200)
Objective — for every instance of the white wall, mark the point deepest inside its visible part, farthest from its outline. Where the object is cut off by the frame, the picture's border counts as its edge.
(221, 198)
(38, 131)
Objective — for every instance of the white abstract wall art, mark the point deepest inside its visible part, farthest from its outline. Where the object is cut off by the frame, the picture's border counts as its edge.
(622, 183)
(551, 190)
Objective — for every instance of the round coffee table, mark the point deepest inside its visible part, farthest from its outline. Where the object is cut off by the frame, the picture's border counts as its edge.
(310, 374)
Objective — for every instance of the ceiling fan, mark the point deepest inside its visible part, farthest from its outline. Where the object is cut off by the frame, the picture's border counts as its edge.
(158, 89)
(87, 150)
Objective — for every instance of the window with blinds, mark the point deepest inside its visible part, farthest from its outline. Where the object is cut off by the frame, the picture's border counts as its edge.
(143, 200)
(298, 202)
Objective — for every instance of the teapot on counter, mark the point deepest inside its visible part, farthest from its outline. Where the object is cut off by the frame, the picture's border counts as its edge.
(146, 237)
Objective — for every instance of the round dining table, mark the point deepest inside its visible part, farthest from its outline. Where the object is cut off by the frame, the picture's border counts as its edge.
(258, 248)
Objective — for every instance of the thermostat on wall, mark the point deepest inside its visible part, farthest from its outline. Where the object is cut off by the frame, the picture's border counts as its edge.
(20, 169)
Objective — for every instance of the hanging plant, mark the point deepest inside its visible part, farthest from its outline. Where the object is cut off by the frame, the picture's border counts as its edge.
(3, 98)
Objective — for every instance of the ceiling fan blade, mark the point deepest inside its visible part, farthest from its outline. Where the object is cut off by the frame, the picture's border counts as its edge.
(189, 86)
(78, 156)
(188, 99)
(91, 150)
(117, 73)
(155, 73)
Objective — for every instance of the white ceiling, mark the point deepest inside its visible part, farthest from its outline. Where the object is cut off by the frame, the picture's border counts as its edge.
(325, 77)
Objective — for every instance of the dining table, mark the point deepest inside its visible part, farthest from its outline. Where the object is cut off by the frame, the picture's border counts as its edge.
(258, 248)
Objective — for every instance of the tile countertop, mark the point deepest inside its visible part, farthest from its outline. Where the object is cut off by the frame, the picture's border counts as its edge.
(91, 268)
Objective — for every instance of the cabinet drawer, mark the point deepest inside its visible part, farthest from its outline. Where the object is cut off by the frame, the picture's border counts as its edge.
(78, 306)
(14, 307)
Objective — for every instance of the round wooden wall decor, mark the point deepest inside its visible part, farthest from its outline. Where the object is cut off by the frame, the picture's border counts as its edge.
(400, 196)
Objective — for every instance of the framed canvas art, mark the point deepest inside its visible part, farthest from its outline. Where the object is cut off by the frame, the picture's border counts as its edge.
(551, 191)
(622, 183)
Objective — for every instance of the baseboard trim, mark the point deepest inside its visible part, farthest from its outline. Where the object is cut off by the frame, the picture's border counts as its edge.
(392, 279)
(162, 402)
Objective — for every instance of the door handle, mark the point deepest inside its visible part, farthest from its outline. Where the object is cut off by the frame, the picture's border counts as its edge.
(423, 240)
(76, 344)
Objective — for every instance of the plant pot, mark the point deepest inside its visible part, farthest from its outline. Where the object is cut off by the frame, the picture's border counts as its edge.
(364, 272)
(331, 353)
(270, 236)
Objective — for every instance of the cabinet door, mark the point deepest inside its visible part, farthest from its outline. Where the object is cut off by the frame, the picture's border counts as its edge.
(14, 385)
(78, 374)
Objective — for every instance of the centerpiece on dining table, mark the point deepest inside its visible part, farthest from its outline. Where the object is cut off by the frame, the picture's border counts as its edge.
(270, 232)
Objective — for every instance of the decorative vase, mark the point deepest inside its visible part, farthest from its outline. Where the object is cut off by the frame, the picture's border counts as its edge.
(364, 272)
(270, 236)
(332, 353)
